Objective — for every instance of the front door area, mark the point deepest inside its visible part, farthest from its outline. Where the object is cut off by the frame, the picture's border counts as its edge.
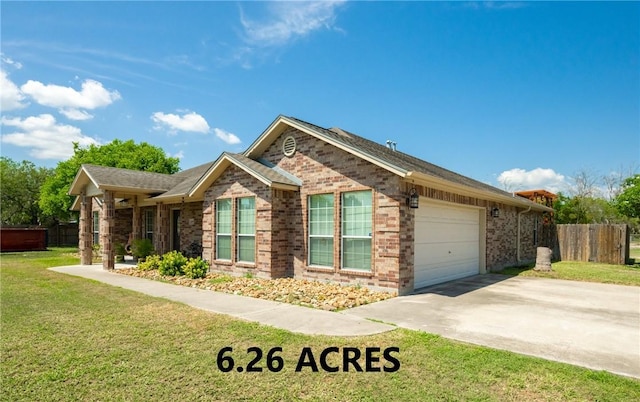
(175, 229)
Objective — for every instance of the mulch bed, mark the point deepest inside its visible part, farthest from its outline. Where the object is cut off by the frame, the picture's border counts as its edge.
(307, 293)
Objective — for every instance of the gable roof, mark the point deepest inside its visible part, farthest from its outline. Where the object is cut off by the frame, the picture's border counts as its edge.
(192, 183)
(117, 179)
(269, 175)
(397, 162)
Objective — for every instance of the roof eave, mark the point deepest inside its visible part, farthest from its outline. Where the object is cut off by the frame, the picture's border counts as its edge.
(446, 185)
(76, 186)
(278, 126)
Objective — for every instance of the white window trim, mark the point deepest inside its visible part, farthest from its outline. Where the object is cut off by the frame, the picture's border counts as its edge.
(95, 227)
(310, 236)
(147, 232)
(343, 236)
(218, 234)
(239, 235)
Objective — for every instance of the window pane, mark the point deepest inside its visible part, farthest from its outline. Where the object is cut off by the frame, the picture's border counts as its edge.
(96, 222)
(321, 229)
(357, 254)
(246, 248)
(148, 224)
(223, 216)
(356, 229)
(223, 247)
(246, 216)
(321, 251)
(246, 228)
(356, 213)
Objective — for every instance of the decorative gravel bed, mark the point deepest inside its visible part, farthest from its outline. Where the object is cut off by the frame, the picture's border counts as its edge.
(307, 293)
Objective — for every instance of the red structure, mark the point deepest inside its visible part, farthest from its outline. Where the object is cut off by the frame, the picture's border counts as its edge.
(543, 197)
(23, 239)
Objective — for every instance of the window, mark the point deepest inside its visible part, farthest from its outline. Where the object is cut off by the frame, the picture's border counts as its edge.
(223, 229)
(96, 227)
(535, 231)
(356, 230)
(321, 230)
(246, 227)
(148, 224)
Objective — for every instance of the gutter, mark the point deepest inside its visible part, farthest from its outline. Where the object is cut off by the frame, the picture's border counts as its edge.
(518, 241)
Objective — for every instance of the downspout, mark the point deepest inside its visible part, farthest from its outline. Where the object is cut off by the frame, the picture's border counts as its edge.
(518, 237)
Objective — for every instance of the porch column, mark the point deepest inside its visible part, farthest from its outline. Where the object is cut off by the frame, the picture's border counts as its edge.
(136, 225)
(161, 234)
(107, 226)
(86, 230)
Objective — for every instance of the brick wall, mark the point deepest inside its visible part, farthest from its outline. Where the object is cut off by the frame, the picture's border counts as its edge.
(282, 225)
(235, 183)
(190, 224)
(123, 226)
(324, 168)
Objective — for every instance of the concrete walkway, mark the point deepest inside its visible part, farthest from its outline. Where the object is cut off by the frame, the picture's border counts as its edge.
(281, 315)
(586, 324)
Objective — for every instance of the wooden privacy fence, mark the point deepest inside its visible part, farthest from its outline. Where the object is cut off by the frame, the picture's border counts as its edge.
(607, 244)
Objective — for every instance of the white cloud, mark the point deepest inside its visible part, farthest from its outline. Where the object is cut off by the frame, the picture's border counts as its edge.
(192, 122)
(7, 60)
(290, 20)
(179, 154)
(76, 114)
(538, 178)
(70, 101)
(227, 137)
(46, 138)
(11, 97)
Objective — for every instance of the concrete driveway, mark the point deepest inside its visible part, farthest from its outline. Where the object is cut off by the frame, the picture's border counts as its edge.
(587, 324)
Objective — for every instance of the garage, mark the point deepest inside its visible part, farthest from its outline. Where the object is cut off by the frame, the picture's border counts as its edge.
(447, 243)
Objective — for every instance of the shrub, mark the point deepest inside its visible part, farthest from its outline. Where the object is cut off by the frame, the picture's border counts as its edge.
(152, 262)
(196, 268)
(172, 264)
(142, 248)
(119, 249)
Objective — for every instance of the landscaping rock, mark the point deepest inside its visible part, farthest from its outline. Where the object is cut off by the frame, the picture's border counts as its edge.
(325, 296)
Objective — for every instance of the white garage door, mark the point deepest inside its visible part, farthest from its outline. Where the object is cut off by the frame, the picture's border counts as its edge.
(447, 243)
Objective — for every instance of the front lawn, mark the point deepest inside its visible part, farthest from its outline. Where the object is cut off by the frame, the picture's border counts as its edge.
(584, 271)
(69, 338)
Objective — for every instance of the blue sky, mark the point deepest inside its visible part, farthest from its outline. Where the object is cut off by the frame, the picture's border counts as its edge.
(518, 95)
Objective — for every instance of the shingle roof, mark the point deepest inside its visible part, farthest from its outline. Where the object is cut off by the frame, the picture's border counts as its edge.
(104, 176)
(191, 181)
(269, 173)
(397, 159)
(186, 180)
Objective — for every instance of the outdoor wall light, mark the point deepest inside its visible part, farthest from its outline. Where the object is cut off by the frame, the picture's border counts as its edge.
(414, 199)
(495, 212)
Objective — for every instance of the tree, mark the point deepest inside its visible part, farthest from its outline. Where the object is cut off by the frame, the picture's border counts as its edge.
(628, 201)
(20, 190)
(121, 154)
(584, 209)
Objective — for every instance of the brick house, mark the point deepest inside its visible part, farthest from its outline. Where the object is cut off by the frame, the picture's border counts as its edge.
(308, 202)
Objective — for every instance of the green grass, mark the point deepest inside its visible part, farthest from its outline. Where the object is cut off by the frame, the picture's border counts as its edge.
(69, 338)
(634, 252)
(583, 271)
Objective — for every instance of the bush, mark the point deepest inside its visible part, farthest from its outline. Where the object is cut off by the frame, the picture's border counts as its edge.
(119, 249)
(142, 248)
(152, 262)
(172, 264)
(196, 268)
